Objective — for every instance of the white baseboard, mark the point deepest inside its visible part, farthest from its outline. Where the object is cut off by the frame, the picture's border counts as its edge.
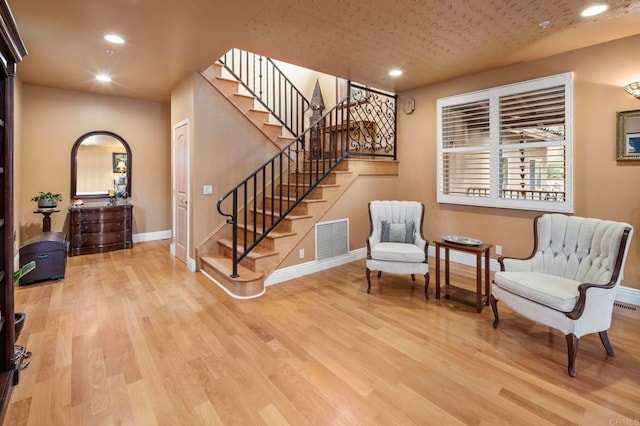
(625, 294)
(628, 295)
(151, 236)
(191, 264)
(295, 271)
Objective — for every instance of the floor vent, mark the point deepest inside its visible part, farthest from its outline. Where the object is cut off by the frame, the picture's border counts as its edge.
(332, 239)
(625, 306)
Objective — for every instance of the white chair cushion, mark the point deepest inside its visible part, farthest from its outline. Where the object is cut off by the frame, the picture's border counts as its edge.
(550, 290)
(397, 252)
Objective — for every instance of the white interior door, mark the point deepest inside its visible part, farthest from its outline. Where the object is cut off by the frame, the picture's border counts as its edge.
(181, 192)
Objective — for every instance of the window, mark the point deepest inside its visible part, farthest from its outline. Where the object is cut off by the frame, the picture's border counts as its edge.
(509, 146)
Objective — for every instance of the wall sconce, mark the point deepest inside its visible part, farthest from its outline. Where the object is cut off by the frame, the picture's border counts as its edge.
(633, 89)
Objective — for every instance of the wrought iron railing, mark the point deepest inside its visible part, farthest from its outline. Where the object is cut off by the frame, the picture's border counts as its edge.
(264, 80)
(372, 118)
(261, 201)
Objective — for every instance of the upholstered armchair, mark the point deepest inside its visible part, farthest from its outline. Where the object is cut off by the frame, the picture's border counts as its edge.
(395, 244)
(570, 280)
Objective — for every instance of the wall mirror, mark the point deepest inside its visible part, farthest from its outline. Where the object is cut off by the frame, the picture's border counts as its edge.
(628, 135)
(100, 161)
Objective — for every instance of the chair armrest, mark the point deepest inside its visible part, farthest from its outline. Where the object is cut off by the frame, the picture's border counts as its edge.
(582, 302)
(372, 241)
(422, 243)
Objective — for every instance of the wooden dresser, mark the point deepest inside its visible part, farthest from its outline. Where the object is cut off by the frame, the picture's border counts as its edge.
(98, 228)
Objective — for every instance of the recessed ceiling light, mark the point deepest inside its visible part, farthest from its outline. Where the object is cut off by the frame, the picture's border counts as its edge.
(103, 78)
(113, 38)
(395, 73)
(594, 10)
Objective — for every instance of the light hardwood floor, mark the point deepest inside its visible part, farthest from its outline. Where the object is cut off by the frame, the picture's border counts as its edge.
(132, 337)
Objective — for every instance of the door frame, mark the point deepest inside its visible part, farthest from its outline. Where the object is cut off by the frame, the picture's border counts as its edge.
(191, 263)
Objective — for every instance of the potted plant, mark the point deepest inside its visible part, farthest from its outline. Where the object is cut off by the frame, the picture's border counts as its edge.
(47, 200)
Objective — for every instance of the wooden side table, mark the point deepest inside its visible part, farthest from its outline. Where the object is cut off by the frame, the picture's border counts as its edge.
(479, 251)
(46, 220)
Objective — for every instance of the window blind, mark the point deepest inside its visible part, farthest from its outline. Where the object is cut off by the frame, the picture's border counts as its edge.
(508, 146)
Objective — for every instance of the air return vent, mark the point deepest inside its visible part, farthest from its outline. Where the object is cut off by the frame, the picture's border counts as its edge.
(332, 239)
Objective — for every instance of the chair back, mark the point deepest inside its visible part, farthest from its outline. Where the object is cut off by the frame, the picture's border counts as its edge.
(396, 212)
(582, 249)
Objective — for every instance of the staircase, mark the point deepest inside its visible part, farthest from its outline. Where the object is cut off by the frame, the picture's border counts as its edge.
(272, 210)
(230, 88)
(276, 246)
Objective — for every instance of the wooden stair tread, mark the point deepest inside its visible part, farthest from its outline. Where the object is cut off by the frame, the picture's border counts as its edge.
(304, 200)
(273, 234)
(338, 172)
(321, 185)
(277, 213)
(229, 79)
(242, 95)
(256, 253)
(225, 266)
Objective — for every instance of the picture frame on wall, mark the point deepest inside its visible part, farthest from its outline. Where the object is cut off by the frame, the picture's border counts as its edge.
(628, 140)
(116, 158)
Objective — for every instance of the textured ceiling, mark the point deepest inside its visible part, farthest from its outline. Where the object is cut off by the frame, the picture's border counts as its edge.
(360, 40)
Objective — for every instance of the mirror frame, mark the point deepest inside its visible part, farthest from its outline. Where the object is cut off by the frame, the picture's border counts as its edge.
(622, 145)
(74, 164)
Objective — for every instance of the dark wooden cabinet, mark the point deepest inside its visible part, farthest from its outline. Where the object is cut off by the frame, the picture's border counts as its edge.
(99, 228)
(12, 51)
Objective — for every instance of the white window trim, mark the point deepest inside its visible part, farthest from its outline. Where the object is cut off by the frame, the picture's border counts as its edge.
(493, 95)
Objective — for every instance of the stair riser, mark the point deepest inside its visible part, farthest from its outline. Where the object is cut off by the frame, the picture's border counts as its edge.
(300, 209)
(245, 103)
(272, 131)
(304, 208)
(290, 191)
(304, 178)
(260, 264)
(292, 225)
(246, 262)
(267, 242)
(227, 86)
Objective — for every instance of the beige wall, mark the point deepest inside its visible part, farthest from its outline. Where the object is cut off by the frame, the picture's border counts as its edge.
(53, 119)
(353, 205)
(223, 150)
(603, 187)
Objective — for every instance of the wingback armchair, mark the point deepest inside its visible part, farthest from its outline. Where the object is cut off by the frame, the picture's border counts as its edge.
(395, 244)
(570, 280)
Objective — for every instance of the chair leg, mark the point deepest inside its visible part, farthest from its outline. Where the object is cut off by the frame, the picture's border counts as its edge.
(604, 338)
(413, 277)
(379, 274)
(368, 280)
(426, 285)
(572, 351)
(494, 308)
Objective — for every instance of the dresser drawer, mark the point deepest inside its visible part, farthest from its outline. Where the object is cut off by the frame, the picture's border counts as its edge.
(83, 215)
(88, 240)
(99, 227)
